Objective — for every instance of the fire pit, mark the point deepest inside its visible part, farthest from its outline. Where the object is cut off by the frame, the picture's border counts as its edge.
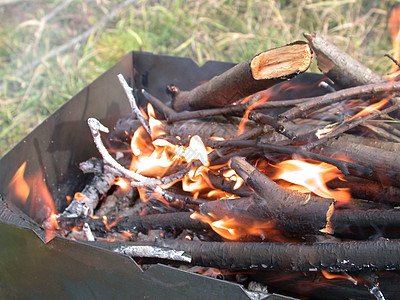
(49, 158)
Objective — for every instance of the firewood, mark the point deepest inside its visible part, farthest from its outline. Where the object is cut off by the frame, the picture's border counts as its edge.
(258, 73)
(368, 190)
(307, 105)
(380, 254)
(342, 165)
(383, 163)
(305, 212)
(179, 220)
(340, 67)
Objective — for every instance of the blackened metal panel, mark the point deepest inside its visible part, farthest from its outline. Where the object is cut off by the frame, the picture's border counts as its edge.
(64, 269)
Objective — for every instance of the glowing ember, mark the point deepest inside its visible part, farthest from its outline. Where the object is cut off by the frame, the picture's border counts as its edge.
(313, 177)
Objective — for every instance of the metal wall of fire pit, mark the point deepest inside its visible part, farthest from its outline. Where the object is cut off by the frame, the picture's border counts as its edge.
(66, 269)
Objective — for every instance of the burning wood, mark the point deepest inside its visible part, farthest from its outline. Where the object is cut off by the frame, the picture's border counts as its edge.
(292, 181)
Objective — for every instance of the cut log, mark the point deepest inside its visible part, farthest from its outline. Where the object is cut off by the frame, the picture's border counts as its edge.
(307, 213)
(258, 73)
(340, 67)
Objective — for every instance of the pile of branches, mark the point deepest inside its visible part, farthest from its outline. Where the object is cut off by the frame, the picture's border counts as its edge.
(309, 232)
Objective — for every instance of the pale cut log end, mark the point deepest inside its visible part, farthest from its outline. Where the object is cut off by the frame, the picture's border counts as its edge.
(281, 62)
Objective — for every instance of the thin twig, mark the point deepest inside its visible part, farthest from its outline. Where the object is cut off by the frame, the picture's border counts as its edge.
(317, 102)
(349, 125)
(133, 104)
(158, 104)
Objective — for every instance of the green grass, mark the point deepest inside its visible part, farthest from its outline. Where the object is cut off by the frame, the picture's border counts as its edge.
(201, 30)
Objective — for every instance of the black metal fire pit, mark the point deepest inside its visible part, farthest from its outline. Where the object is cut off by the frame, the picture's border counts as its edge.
(62, 268)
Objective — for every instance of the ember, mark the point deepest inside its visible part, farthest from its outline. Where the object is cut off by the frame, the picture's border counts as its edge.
(246, 181)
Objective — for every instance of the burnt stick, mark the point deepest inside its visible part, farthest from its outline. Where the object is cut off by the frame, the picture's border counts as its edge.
(258, 73)
(372, 255)
(178, 220)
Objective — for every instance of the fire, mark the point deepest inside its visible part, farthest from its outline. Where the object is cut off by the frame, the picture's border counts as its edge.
(19, 188)
(122, 183)
(231, 175)
(235, 229)
(370, 108)
(40, 205)
(312, 177)
(343, 275)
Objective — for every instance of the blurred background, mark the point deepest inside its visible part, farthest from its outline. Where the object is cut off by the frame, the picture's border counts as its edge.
(49, 50)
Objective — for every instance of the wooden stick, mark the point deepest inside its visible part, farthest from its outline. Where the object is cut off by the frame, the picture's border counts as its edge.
(373, 255)
(258, 73)
(340, 67)
(307, 212)
(179, 220)
(359, 91)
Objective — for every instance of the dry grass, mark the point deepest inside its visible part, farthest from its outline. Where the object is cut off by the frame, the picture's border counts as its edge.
(201, 30)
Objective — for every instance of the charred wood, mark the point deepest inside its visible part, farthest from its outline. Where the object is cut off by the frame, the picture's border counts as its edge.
(178, 220)
(368, 190)
(350, 256)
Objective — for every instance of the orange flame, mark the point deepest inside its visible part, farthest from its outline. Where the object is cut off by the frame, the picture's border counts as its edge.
(345, 276)
(234, 229)
(41, 206)
(19, 188)
(312, 177)
(122, 183)
(370, 108)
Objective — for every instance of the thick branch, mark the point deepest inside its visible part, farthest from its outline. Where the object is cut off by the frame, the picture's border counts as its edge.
(340, 67)
(260, 72)
(346, 256)
(308, 212)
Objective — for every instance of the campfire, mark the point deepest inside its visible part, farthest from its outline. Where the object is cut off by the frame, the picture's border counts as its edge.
(255, 174)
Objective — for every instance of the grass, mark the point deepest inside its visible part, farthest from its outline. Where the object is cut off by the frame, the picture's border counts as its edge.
(202, 30)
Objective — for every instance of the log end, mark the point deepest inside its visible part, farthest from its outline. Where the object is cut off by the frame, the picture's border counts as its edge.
(281, 62)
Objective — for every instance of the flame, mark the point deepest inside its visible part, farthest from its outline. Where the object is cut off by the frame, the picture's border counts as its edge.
(154, 124)
(231, 175)
(235, 229)
(122, 183)
(370, 108)
(394, 31)
(19, 188)
(41, 205)
(312, 177)
(343, 275)
(107, 225)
